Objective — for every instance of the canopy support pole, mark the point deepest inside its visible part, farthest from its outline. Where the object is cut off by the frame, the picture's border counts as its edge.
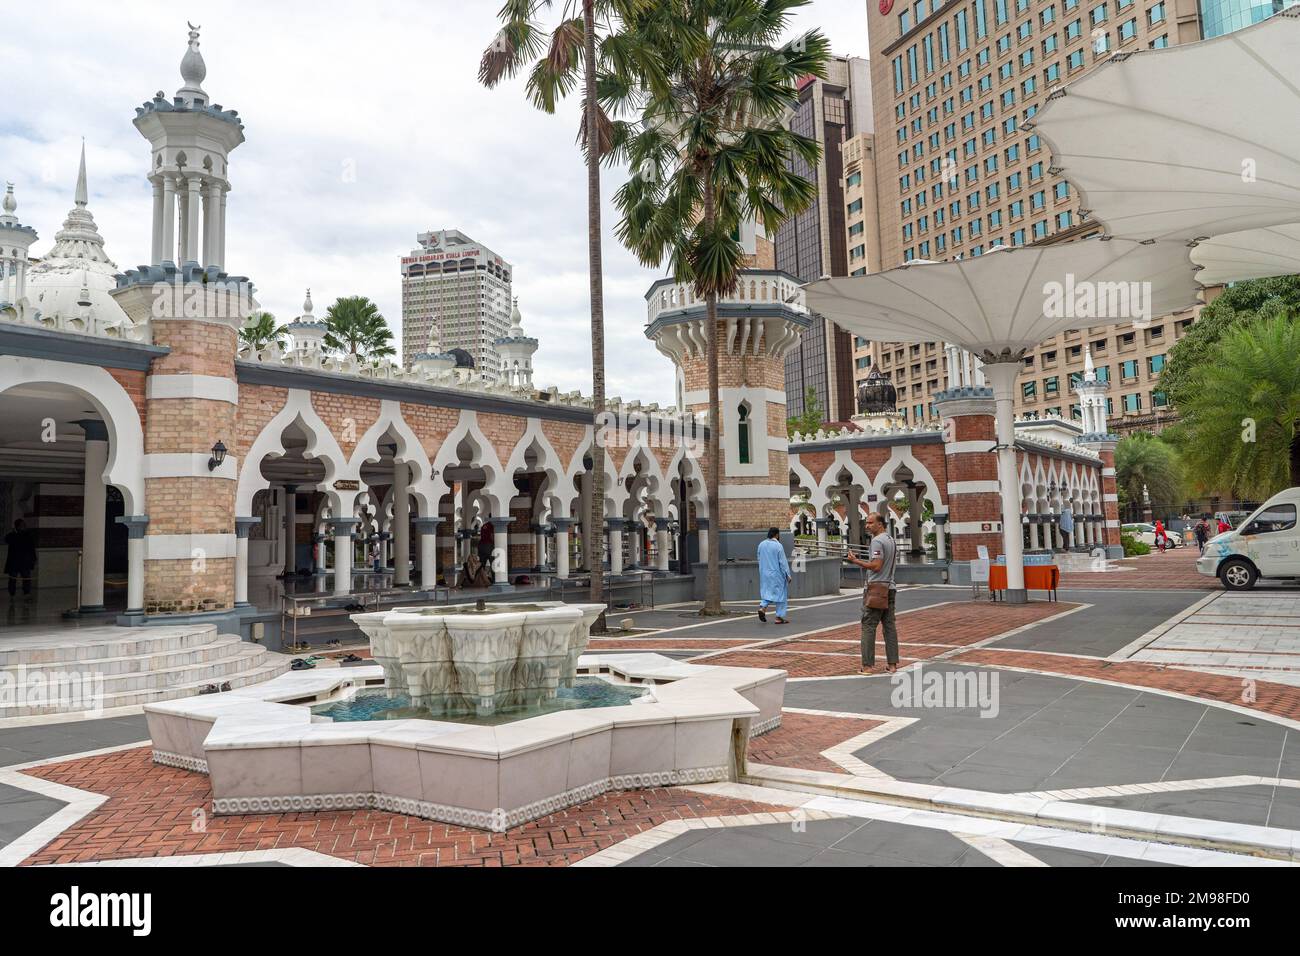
(1002, 377)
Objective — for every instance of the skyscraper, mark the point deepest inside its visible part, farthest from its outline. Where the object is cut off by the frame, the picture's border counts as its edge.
(953, 85)
(812, 244)
(464, 287)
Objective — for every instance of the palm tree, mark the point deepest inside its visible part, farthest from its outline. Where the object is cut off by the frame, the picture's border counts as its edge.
(1145, 463)
(356, 327)
(557, 59)
(1240, 416)
(709, 153)
(260, 330)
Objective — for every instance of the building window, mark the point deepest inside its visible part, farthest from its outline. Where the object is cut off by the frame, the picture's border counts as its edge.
(1133, 402)
(742, 434)
(1128, 369)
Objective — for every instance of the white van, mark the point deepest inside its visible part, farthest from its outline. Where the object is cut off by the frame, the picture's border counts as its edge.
(1264, 545)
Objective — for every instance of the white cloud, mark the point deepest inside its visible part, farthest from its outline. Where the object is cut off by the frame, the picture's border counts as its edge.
(389, 89)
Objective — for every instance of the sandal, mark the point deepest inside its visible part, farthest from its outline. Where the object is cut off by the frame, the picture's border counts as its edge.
(762, 614)
(225, 686)
(208, 689)
(352, 659)
(301, 665)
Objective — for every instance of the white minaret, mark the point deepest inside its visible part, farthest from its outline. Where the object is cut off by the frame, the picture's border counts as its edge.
(516, 351)
(192, 140)
(15, 241)
(433, 362)
(1092, 400)
(308, 331)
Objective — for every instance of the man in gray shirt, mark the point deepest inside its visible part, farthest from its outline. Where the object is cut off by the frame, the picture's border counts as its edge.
(880, 569)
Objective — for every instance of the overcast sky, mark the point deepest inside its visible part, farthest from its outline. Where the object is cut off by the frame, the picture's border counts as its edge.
(365, 124)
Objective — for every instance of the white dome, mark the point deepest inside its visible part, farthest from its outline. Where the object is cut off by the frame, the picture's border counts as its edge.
(76, 264)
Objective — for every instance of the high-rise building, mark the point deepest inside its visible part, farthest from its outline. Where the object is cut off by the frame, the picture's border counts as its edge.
(953, 84)
(1224, 16)
(813, 243)
(464, 287)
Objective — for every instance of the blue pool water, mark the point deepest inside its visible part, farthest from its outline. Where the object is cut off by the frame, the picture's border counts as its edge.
(377, 703)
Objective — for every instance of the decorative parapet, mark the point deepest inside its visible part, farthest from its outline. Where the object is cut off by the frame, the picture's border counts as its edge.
(177, 104)
(756, 287)
(857, 436)
(122, 330)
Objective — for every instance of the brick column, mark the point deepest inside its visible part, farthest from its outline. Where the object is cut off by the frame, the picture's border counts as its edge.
(974, 500)
(1105, 447)
(191, 403)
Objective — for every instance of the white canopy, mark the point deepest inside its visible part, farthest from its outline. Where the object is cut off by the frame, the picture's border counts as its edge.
(1186, 142)
(1011, 299)
(1250, 254)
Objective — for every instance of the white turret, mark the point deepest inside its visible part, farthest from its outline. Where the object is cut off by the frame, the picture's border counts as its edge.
(15, 241)
(433, 362)
(308, 331)
(1092, 400)
(191, 141)
(516, 350)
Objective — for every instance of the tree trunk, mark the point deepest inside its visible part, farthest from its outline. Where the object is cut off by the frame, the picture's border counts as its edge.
(713, 578)
(596, 516)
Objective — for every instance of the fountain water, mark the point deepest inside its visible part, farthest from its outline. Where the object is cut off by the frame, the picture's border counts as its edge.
(479, 660)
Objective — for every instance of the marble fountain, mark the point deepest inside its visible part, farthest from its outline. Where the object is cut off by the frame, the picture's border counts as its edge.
(480, 719)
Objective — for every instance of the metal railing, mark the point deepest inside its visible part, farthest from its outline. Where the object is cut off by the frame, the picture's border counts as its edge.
(640, 583)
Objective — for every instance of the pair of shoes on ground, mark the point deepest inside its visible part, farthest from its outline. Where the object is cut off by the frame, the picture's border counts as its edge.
(762, 615)
(870, 671)
(302, 664)
(214, 688)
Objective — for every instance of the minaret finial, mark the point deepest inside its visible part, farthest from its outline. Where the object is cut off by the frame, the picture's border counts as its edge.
(307, 306)
(1089, 370)
(83, 194)
(193, 70)
(10, 204)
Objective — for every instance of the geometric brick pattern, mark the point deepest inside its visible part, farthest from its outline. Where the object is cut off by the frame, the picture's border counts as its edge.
(922, 634)
(801, 738)
(151, 811)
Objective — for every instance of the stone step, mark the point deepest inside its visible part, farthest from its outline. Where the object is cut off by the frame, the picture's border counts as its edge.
(224, 645)
(250, 667)
(96, 643)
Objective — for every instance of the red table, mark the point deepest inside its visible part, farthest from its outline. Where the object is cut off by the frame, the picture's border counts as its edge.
(1038, 577)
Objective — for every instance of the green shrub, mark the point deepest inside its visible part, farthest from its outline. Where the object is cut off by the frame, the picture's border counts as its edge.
(1133, 547)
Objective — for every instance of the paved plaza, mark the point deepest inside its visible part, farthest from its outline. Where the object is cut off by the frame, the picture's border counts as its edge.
(1130, 723)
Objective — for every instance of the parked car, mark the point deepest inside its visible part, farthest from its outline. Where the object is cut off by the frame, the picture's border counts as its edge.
(1265, 545)
(1146, 533)
(1232, 519)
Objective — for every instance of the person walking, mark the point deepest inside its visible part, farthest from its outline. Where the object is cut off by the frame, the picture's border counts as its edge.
(20, 556)
(878, 600)
(1160, 536)
(375, 556)
(773, 578)
(487, 537)
(1202, 532)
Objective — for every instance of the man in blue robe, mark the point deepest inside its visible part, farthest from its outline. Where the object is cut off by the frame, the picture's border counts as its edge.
(773, 578)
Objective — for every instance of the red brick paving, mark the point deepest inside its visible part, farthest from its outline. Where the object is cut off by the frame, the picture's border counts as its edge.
(668, 643)
(1278, 700)
(1172, 571)
(952, 625)
(150, 812)
(801, 738)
